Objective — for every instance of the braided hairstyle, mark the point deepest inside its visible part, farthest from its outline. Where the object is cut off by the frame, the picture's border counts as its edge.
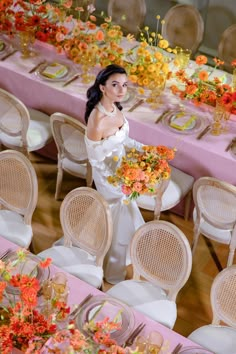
(94, 93)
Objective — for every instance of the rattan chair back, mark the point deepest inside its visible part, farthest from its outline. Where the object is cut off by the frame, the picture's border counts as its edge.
(86, 222)
(18, 184)
(227, 48)
(68, 134)
(223, 299)
(161, 254)
(129, 15)
(183, 27)
(14, 118)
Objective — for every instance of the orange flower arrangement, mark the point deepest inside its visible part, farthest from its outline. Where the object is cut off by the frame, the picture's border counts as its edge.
(35, 16)
(20, 320)
(200, 89)
(141, 172)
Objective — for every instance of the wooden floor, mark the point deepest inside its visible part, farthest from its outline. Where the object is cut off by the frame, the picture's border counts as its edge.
(193, 301)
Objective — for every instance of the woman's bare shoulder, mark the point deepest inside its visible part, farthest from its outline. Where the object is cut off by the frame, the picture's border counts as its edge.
(95, 125)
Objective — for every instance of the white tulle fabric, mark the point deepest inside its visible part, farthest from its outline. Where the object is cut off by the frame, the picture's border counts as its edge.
(126, 218)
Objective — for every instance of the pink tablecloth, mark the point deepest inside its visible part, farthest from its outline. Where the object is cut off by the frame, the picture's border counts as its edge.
(205, 157)
(79, 289)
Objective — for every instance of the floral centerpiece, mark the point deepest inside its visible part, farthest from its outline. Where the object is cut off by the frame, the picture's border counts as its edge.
(141, 172)
(199, 89)
(26, 326)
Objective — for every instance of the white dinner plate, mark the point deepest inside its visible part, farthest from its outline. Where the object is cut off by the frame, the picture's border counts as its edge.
(194, 350)
(196, 125)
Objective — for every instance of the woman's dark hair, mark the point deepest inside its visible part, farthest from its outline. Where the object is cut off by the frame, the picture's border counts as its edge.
(94, 93)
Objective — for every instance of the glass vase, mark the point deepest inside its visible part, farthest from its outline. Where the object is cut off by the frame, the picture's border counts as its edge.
(220, 117)
(26, 40)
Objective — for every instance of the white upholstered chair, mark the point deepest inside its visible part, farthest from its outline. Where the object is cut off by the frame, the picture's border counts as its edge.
(18, 197)
(217, 337)
(68, 134)
(134, 12)
(21, 128)
(87, 226)
(169, 194)
(215, 213)
(227, 48)
(183, 27)
(161, 255)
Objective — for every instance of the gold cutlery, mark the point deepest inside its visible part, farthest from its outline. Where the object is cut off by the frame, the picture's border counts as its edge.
(137, 104)
(162, 116)
(204, 132)
(228, 147)
(177, 348)
(74, 313)
(73, 78)
(36, 67)
(5, 253)
(8, 54)
(130, 340)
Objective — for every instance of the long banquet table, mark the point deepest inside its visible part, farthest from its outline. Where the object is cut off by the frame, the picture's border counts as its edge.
(205, 157)
(79, 290)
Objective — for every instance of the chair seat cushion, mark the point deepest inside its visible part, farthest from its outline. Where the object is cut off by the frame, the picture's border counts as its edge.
(180, 184)
(222, 236)
(147, 298)
(218, 339)
(74, 168)
(38, 134)
(75, 261)
(13, 228)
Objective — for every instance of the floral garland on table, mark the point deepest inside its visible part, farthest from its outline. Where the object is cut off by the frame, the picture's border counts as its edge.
(199, 89)
(141, 172)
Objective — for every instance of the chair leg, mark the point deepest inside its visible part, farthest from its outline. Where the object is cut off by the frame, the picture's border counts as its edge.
(59, 182)
(230, 257)
(195, 238)
(187, 204)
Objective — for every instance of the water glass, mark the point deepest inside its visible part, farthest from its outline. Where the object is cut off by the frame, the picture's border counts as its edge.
(182, 57)
(59, 283)
(155, 341)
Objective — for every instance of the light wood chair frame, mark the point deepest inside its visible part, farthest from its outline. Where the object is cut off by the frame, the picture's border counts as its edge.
(21, 129)
(211, 181)
(223, 299)
(57, 120)
(173, 269)
(225, 41)
(15, 196)
(72, 225)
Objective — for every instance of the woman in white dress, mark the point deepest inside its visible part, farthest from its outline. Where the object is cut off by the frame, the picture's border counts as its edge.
(107, 138)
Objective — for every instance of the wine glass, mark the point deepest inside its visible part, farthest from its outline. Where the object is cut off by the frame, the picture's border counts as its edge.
(47, 292)
(155, 341)
(141, 344)
(59, 284)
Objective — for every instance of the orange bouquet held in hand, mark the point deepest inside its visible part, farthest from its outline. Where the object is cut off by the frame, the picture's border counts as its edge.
(141, 172)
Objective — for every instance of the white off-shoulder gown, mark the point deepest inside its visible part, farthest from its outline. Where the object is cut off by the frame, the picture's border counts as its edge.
(126, 218)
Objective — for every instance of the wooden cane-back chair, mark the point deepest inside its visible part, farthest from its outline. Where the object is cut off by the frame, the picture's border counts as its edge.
(87, 226)
(68, 134)
(18, 197)
(183, 27)
(227, 48)
(21, 128)
(129, 15)
(217, 337)
(160, 254)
